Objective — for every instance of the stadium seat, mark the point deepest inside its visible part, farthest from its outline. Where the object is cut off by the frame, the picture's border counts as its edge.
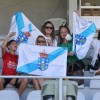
(50, 88)
(96, 96)
(95, 83)
(81, 86)
(34, 95)
(80, 96)
(9, 95)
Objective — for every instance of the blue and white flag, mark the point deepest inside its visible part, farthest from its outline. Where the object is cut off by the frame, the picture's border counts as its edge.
(20, 24)
(42, 60)
(83, 32)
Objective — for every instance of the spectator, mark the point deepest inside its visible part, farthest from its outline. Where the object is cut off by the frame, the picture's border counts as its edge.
(95, 64)
(73, 63)
(38, 82)
(10, 61)
(48, 31)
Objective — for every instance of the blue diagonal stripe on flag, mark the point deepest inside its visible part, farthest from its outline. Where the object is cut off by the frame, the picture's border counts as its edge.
(27, 68)
(90, 30)
(19, 21)
(20, 25)
(30, 27)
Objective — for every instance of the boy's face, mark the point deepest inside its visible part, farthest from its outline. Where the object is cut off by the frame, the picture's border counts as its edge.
(13, 46)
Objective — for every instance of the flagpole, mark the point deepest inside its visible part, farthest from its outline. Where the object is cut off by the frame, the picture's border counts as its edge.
(73, 48)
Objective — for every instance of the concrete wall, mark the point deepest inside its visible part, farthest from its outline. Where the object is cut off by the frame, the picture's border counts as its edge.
(72, 8)
(36, 10)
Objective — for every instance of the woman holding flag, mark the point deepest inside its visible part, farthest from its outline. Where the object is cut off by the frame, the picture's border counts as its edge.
(73, 63)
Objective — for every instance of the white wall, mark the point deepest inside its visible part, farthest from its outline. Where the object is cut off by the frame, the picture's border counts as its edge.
(72, 7)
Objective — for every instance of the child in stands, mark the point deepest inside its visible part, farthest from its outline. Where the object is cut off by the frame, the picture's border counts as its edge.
(10, 61)
(38, 82)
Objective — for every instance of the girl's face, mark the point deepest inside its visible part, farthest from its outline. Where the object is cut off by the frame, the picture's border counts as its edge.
(63, 32)
(41, 41)
(48, 29)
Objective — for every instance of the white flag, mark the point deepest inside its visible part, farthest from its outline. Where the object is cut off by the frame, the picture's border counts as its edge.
(42, 60)
(20, 24)
(83, 32)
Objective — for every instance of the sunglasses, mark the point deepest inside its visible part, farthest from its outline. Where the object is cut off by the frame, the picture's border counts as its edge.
(48, 27)
(41, 41)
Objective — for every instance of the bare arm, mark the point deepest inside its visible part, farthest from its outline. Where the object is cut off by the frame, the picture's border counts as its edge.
(3, 47)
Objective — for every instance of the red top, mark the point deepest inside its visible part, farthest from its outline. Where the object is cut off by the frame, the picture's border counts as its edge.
(10, 62)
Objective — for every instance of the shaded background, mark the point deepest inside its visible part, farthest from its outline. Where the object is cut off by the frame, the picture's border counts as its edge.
(36, 10)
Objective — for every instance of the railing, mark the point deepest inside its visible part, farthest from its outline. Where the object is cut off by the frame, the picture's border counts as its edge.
(60, 80)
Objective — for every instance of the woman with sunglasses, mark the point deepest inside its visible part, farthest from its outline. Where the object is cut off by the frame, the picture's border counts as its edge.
(41, 41)
(48, 31)
(38, 82)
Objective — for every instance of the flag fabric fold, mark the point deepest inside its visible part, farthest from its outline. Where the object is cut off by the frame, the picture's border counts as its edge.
(20, 24)
(42, 60)
(83, 33)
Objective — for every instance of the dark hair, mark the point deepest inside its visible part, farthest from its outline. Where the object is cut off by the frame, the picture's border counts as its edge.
(44, 26)
(40, 36)
(9, 43)
(59, 35)
(98, 35)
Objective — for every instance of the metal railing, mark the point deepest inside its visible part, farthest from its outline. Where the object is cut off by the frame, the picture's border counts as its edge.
(55, 77)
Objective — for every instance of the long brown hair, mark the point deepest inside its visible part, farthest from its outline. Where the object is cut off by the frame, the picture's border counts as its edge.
(59, 36)
(43, 29)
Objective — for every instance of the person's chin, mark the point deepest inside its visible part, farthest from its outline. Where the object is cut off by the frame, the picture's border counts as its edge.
(14, 49)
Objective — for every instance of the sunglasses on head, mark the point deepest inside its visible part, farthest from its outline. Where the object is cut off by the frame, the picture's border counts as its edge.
(48, 27)
(41, 41)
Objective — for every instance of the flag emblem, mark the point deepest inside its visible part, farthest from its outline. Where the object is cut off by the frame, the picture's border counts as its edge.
(43, 63)
(80, 40)
(22, 38)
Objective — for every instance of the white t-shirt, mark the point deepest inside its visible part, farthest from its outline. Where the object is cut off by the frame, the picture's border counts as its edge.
(96, 46)
(51, 42)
